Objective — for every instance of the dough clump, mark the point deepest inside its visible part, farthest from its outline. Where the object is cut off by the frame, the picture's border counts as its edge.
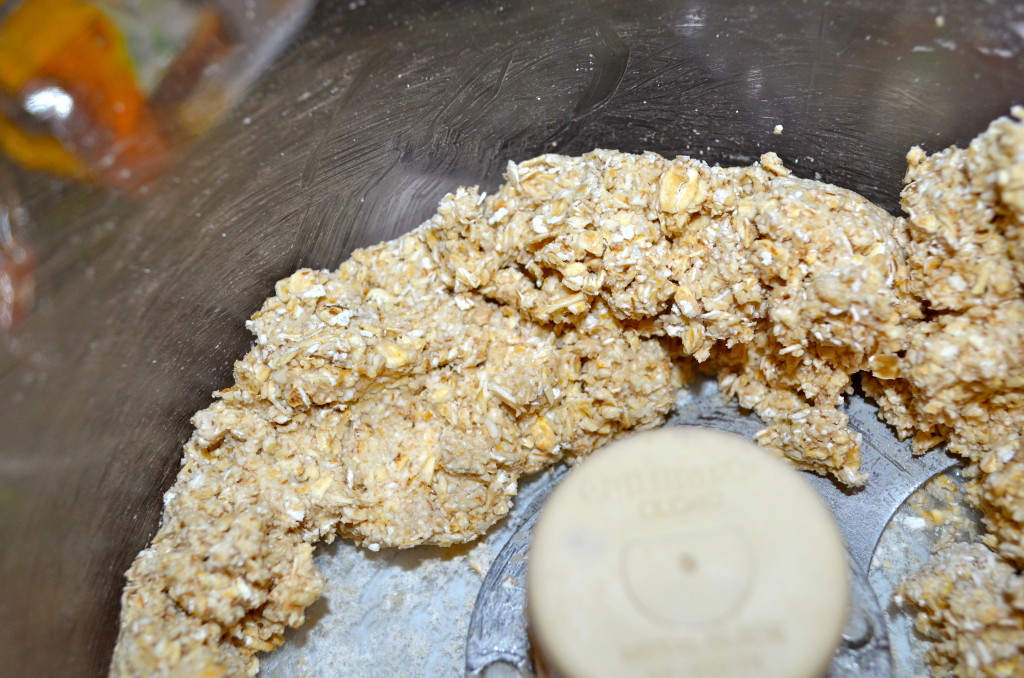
(397, 400)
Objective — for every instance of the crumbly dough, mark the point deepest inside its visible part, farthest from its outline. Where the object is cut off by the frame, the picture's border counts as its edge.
(980, 630)
(397, 400)
(961, 379)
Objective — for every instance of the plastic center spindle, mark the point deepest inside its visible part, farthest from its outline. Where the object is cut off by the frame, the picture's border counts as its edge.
(686, 552)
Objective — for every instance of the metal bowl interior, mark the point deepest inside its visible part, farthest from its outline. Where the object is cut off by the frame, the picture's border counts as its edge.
(375, 112)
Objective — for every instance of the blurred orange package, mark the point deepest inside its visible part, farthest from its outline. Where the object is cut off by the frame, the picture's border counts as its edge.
(105, 90)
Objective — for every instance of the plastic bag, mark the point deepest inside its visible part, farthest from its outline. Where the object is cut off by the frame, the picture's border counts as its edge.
(106, 90)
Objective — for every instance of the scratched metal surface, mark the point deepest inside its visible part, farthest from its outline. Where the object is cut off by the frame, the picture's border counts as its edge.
(377, 109)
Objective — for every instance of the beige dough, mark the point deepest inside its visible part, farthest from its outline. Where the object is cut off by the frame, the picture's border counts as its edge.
(397, 400)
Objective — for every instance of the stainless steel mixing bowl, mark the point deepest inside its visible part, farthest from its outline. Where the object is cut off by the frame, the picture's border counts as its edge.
(377, 110)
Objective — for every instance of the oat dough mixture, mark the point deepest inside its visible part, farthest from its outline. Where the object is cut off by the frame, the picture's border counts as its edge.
(397, 400)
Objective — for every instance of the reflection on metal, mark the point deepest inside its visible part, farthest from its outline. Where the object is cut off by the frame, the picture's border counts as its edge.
(49, 103)
(17, 261)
